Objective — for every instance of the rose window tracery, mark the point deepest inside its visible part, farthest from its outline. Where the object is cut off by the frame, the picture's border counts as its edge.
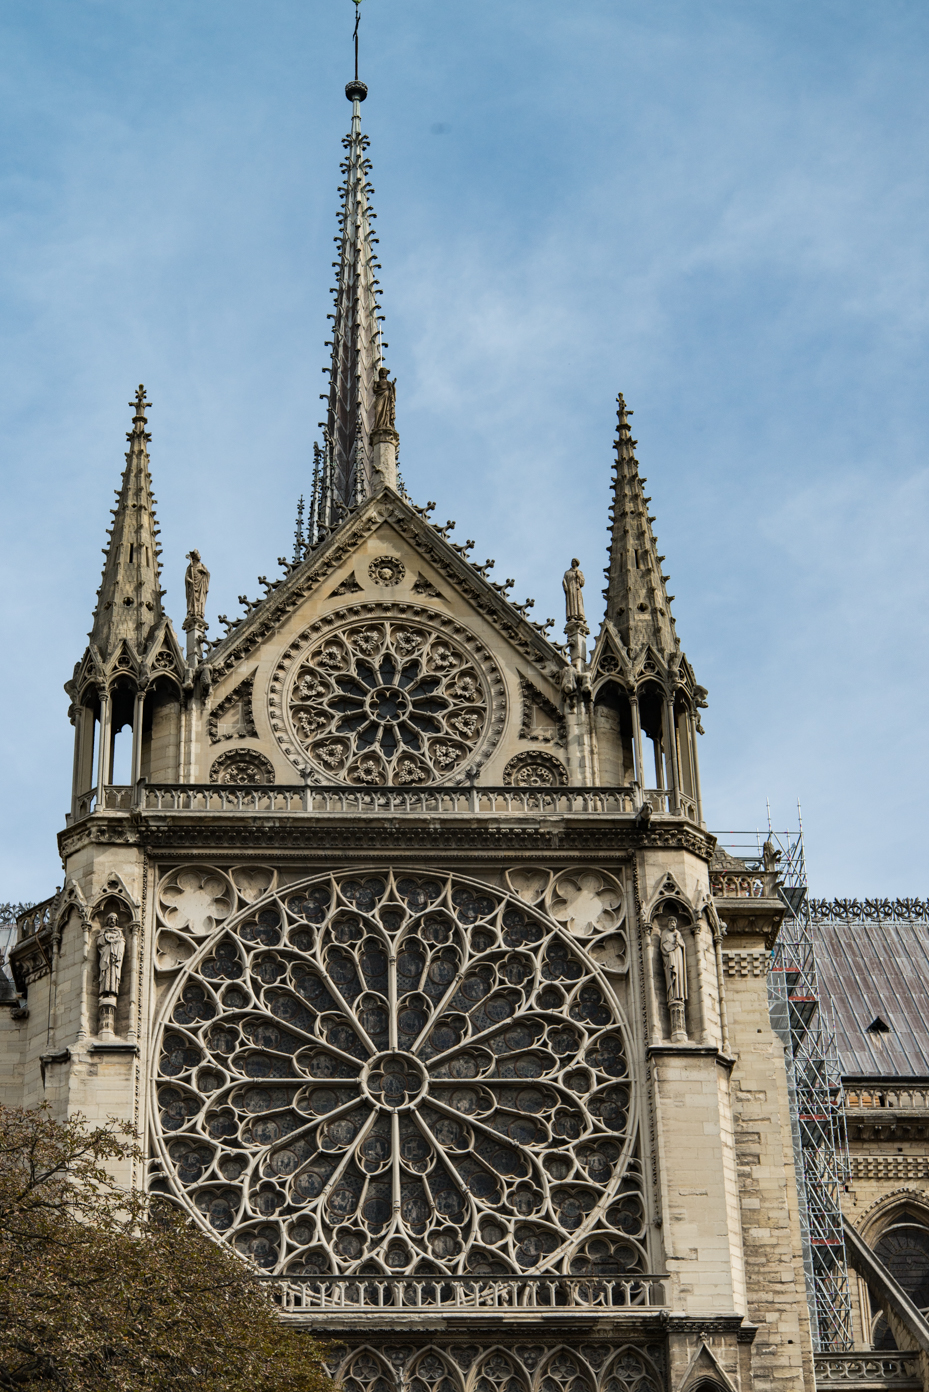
(402, 1074)
(389, 699)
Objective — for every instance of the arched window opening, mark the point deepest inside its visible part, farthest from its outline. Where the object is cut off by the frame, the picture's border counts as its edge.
(119, 759)
(614, 731)
(86, 746)
(904, 1249)
(161, 728)
(683, 734)
(651, 719)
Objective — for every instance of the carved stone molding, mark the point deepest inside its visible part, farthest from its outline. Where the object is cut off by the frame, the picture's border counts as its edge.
(348, 586)
(746, 963)
(534, 699)
(239, 695)
(535, 768)
(242, 766)
(888, 1169)
(386, 570)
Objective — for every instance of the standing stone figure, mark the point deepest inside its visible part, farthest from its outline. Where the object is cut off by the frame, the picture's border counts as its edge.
(385, 401)
(675, 972)
(112, 947)
(573, 584)
(196, 583)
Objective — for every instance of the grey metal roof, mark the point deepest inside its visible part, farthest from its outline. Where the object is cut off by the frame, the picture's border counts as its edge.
(877, 970)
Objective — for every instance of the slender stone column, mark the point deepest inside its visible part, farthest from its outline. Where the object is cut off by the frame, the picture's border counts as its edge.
(103, 754)
(696, 765)
(637, 741)
(671, 746)
(137, 714)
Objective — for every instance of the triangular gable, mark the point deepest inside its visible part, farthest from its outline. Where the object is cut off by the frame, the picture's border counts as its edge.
(445, 562)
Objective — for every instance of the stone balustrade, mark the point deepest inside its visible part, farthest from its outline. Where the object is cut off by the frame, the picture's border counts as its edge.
(893, 1097)
(867, 1372)
(488, 1294)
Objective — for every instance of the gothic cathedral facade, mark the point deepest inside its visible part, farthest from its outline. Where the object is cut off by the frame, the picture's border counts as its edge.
(398, 947)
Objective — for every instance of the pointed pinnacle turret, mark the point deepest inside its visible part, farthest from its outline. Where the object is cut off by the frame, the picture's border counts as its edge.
(348, 474)
(129, 599)
(637, 601)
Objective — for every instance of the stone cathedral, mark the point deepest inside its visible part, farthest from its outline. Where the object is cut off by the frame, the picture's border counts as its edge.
(399, 947)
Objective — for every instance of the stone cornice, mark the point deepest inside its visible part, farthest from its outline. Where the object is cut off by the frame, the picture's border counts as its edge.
(748, 919)
(384, 837)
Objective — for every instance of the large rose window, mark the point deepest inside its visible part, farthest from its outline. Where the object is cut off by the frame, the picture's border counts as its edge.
(402, 1074)
(388, 700)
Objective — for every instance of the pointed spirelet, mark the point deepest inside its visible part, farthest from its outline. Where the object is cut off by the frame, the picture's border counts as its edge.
(347, 475)
(637, 600)
(129, 602)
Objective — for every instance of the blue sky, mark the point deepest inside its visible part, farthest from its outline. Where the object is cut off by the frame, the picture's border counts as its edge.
(720, 208)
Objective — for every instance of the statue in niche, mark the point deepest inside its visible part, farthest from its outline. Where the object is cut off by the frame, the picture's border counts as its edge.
(573, 584)
(675, 972)
(385, 401)
(196, 584)
(111, 948)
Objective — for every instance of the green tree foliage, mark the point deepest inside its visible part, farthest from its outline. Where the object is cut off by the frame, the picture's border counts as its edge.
(101, 1289)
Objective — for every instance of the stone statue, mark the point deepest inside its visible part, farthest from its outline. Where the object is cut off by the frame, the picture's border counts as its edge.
(675, 971)
(385, 401)
(112, 947)
(196, 583)
(573, 584)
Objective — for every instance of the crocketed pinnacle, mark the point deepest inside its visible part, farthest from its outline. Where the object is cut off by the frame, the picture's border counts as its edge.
(345, 475)
(637, 601)
(129, 599)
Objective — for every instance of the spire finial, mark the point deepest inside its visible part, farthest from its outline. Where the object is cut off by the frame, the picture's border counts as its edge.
(139, 420)
(637, 601)
(356, 91)
(129, 605)
(351, 466)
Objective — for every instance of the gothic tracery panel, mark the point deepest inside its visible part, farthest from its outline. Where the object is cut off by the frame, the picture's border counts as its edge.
(523, 1367)
(394, 696)
(403, 1073)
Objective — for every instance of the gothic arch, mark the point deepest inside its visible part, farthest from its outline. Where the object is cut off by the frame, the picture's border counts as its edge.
(564, 1371)
(433, 1371)
(629, 1370)
(499, 1370)
(365, 1371)
(884, 1214)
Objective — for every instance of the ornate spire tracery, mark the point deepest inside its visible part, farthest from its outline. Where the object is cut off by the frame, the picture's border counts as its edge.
(347, 472)
(637, 600)
(129, 599)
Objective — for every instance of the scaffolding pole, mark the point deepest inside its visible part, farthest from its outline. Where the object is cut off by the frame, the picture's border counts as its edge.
(802, 1023)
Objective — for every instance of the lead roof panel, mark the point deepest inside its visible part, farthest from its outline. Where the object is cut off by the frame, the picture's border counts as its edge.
(871, 971)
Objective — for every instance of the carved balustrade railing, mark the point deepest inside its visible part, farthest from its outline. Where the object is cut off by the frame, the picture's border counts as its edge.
(504, 1294)
(398, 801)
(869, 910)
(734, 885)
(867, 1370)
(33, 920)
(892, 1097)
(355, 801)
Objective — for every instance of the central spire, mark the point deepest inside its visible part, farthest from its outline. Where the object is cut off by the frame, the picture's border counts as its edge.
(345, 472)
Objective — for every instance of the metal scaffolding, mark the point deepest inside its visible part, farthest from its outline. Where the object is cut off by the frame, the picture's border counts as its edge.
(802, 1023)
